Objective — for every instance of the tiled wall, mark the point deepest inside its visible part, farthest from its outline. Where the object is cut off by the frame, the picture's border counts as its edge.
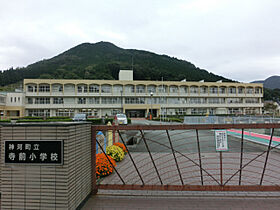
(48, 187)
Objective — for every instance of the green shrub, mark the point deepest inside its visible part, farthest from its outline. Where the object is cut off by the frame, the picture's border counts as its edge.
(115, 152)
(42, 120)
(32, 118)
(59, 118)
(5, 121)
(109, 120)
(95, 121)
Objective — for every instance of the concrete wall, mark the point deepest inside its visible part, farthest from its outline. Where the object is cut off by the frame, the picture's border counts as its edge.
(48, 187)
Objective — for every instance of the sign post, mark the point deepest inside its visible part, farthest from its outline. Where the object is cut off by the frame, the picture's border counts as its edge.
(221, 140)
(221, 145)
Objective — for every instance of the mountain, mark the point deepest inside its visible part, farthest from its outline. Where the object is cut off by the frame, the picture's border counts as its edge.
(258, 81)
(103, 60)
(272, 82)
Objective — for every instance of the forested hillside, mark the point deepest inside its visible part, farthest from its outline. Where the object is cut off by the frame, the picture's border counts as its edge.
(103, 60)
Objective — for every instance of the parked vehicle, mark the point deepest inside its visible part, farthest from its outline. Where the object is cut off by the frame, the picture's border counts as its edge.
(120, 119)
(80, 117)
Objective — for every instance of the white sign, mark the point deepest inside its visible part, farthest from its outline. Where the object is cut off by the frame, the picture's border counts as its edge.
(221, 140)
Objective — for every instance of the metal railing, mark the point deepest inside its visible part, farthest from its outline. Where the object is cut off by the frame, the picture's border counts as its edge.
(184, 157)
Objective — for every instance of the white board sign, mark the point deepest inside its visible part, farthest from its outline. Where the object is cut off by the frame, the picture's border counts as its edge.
(221, 140)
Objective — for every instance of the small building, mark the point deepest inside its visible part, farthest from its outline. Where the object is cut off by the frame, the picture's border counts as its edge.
(12, 105)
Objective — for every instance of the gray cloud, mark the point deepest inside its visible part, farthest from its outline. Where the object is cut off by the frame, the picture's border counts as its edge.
(233, 38)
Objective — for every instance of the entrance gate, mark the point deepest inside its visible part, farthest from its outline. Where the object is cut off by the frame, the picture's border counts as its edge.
(184, 157)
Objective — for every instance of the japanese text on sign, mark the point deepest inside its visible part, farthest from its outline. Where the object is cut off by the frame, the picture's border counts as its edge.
(221, 140)
(38, 152)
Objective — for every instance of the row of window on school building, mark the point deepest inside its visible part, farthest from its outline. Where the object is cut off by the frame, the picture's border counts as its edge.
(94, 88)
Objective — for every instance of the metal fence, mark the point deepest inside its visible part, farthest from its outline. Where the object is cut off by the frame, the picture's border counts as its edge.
(229, 120)
(185, 157)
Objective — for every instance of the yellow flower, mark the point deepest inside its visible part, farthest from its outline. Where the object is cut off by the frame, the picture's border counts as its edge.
(115, 152)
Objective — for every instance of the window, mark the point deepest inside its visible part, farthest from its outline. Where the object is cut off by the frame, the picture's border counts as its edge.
(183, 89)
(11, 99)
(181, 111)
(58, 100)
(222, 90)
(30, 100)
(241, 90)
(232, 90)
(106, 89)
(57, 88)
(214, 100)
(129, 89)
(133, 100)
(42, 100)
(234, 100)
(15, 99)
(140, 89)
(203, 90)
(88, 112)
(82, 88)
(69, 88)
(249, 90)
(198, 100)
(162, 100)
(193, 89)
(64, 112)
(116, 111)
(110, 100)
(39, 112)
(95, 112)
(151, 88)
(95, 100)
(173, 100)
(162, 89)
(117, 88)
(251, 100)
(67, 100)
(258, 90)
(2, 99)
(94, 88)
(18, 99)
(198, 111)
(31, 88)
(212, 111)
(234, 111)
(213, 90)
(173, 89)
(81, 100)
(44, 88)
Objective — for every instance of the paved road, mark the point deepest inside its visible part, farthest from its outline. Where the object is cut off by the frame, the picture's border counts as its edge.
(185, 141)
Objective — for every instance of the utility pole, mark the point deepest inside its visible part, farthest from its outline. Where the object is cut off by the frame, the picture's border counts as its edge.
(151, 116)
(121, 101)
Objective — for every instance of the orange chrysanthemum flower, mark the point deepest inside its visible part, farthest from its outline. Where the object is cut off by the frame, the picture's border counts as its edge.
(121, 145)
(103, 166)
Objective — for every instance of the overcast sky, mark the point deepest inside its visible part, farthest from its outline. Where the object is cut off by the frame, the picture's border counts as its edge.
(237, 39)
